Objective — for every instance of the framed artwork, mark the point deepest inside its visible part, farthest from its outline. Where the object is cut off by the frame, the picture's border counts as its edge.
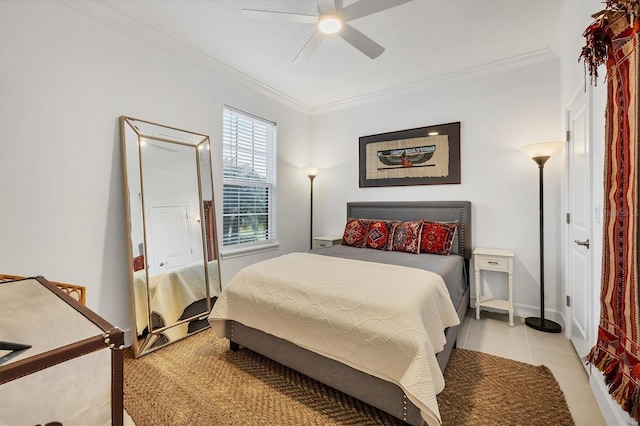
(423, 156)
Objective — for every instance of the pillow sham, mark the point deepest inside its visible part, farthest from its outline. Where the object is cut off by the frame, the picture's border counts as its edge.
(437, 237)
(405, 236)
(355, 232)
(378, 234)
(138, 263)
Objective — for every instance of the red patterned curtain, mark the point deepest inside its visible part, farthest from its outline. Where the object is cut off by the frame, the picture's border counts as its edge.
(209, 231)
(613, 39)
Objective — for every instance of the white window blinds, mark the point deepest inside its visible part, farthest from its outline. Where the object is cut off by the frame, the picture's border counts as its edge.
(249, 179)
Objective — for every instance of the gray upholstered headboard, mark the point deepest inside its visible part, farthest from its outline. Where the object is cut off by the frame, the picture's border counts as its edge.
(434, 211)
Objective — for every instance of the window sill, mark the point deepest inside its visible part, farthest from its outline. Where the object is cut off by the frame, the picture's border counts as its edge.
(247, 251)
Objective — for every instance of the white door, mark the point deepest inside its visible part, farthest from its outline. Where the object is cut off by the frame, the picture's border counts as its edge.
(580, 281)
(170, 236)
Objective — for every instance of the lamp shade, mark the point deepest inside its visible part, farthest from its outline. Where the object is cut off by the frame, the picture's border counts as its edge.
(311, 171)
(545, 149)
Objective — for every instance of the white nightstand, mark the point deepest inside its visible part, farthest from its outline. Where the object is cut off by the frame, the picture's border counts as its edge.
(326, 241)
(497, 260)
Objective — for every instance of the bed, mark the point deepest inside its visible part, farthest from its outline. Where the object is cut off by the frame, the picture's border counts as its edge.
(324, 350)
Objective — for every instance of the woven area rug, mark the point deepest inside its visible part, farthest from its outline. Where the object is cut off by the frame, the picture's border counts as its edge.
(198, 381)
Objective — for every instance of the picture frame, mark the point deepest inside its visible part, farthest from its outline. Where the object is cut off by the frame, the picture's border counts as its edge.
(422, 156)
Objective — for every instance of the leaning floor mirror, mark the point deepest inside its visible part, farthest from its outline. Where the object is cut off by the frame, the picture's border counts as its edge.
(174, 273)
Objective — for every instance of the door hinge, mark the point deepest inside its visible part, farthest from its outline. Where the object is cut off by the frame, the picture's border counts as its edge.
(568, 218)
(568, 135)
(568, 300)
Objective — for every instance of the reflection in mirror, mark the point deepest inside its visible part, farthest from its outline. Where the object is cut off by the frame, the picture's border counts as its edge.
(174, 272)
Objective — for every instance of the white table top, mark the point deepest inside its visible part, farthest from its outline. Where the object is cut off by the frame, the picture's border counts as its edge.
(493, 252)
(33, 315)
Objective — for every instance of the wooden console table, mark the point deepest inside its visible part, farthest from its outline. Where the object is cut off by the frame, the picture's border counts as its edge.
(72, 371)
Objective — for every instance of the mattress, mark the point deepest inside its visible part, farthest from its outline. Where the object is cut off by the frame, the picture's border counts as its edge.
(392, 330)
(450, 268)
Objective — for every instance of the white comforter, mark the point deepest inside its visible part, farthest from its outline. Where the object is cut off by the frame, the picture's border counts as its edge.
(384, 320)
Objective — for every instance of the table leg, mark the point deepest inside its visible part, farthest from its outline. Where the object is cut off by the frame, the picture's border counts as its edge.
(478, 291)
(511, 300)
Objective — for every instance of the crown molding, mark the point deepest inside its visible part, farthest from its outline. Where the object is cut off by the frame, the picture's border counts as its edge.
(469, 73)
(105, 13)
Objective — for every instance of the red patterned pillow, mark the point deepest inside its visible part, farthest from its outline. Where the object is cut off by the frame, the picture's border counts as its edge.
(406, 237)
(138, 263)
(437, 237)
(378, 235)
(355, 232)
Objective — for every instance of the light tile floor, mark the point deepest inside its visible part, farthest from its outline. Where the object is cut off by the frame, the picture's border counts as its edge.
(493, 335)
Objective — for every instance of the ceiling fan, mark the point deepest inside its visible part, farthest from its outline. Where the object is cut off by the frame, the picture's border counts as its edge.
(332, 18)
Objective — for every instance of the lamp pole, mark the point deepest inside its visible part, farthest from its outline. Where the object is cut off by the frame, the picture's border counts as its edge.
(311, 172)
(541, 323)
(541, 162)
(540, 153)
(311, 177)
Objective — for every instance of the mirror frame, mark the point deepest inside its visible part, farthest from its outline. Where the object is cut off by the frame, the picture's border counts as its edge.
(145, 345)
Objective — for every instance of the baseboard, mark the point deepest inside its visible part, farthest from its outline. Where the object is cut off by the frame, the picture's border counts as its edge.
(611, 411)
(524, 311)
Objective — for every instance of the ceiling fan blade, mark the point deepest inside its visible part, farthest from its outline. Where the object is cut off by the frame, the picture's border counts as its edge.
(339, 5)
(361, 41)
(268, 15)
(310, 46)
(325, 7)
(368, 7)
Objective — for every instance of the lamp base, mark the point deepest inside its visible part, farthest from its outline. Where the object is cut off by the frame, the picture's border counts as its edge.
(545, 325)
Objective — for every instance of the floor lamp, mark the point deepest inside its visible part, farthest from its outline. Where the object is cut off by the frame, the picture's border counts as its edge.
(312, 172)
(540, 153)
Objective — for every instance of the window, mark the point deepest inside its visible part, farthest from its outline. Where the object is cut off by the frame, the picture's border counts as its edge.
(249, 180)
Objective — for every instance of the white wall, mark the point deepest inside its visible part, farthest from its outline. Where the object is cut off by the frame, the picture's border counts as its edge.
(573, 80)
(577, 16)
(65, 78)
(499, 113)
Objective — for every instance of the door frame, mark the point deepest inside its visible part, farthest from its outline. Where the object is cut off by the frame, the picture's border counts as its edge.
(592, 315)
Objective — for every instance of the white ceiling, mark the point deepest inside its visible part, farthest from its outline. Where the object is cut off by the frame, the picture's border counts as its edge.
(424, 40)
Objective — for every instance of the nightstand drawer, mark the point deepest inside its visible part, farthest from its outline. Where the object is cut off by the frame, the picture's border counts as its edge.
(492, 263)
(326, 241)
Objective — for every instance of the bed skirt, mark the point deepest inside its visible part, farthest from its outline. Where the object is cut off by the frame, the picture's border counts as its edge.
(379, 393)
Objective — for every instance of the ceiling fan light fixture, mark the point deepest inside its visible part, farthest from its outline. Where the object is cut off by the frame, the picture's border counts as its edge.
(330, 24)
